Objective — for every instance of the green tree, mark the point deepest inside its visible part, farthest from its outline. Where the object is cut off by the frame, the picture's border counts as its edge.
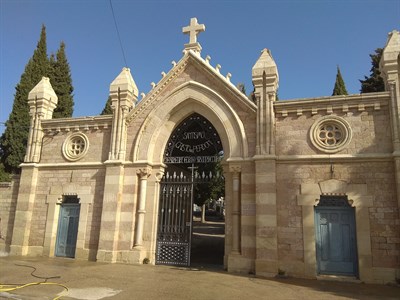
(4, 176)
(14, 139)
(373, 83)
(61, 81)
(211, 189)
(340, 87)
(107, 110)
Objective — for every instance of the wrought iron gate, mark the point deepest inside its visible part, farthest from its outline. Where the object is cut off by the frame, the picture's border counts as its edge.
(174, 232)
(175, 220)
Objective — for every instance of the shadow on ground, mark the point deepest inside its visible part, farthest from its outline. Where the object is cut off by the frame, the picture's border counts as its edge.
(208, 244)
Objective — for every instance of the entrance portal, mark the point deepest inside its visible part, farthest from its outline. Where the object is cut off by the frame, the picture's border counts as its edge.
(67, 232)
(193, 176)
(335, 236)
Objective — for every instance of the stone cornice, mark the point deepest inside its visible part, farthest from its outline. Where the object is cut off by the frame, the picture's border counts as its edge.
(321, 158)
(64, 165)
(326, 105)
(77, 124)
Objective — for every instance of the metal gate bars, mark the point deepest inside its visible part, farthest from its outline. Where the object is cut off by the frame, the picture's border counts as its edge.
(175, 220)
(174, 232)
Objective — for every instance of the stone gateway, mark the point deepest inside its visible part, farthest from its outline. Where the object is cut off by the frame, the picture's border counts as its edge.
(312, 186)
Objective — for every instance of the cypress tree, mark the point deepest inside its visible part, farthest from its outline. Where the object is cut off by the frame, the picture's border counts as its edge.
(340, 87)
(14, 139)
(373, 83)
(61, 81)
(107, 110)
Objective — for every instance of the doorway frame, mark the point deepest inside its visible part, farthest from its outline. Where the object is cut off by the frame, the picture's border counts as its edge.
(360, 199)
(340, 205)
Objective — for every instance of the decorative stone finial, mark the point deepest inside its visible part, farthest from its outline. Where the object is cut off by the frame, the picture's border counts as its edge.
(43, 98)
(266, 64)
(124, 82)
(389, 63)
(193, 30)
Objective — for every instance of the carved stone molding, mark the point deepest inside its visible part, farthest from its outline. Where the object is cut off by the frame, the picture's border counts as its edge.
(235, 168)
(144, 172)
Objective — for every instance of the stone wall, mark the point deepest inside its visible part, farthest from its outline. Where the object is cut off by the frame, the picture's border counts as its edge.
(8, 203)
(51, 179)
(366, 160)
(98, 145)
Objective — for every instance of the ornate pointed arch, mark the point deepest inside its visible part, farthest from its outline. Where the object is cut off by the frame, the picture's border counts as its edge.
(191, 97)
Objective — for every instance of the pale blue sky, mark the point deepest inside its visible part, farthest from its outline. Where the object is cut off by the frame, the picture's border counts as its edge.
(308, 39)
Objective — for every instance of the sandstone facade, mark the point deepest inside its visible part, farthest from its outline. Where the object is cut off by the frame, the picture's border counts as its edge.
(280, 158)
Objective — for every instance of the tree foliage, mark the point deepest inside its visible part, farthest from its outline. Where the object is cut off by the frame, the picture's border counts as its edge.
(373, 83)
(61, 81)
(107, 110)
(340, 87)
(14, 139)
(212, 189)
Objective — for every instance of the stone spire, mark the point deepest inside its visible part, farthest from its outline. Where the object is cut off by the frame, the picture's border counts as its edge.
(123, 93)
(193, 30)
(389, 67)
(42, 101)
(266, 65)
(266, 82)
(389, 61)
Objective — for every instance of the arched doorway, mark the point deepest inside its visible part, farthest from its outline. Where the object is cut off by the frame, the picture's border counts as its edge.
(193, 176)
(68, 223)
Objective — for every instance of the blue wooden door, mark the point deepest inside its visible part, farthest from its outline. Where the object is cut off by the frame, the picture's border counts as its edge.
(67, 232)
(336, 241)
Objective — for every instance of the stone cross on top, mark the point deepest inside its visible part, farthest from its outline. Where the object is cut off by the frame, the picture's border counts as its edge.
(193, 30)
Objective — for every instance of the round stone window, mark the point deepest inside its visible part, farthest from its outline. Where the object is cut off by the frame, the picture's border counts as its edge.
(330, 134)
(75, 146)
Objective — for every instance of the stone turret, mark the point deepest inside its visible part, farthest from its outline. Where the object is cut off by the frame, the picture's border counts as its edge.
(390, 70)
(124, 94)
(266, 81)
(265, 65)
(42, 101)
(389, 64)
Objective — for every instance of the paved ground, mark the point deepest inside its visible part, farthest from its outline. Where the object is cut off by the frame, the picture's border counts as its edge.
(206, 280)
(91, 280)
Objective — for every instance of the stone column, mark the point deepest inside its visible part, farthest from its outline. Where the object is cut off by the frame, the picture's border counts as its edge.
(389, 67)
(111, 212)
(24, 210)
(41, 100)
(235, 170)
(143, 173)
(266, 81)
(266, 218)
